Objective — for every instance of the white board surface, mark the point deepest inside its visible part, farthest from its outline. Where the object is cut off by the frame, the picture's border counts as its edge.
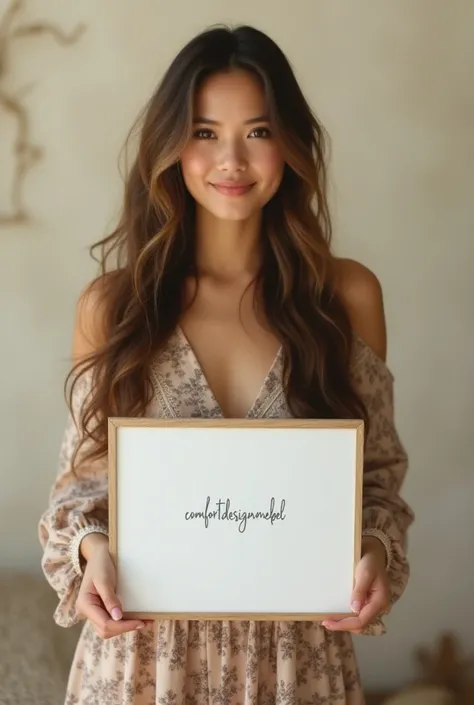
(224, 520)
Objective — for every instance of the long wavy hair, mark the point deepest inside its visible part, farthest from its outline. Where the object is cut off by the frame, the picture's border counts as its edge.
(144, 261)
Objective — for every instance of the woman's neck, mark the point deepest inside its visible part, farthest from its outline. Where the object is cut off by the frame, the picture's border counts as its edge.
(227, 250)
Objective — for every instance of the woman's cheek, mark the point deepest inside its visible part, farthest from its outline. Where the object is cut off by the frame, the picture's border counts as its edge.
(196, 162)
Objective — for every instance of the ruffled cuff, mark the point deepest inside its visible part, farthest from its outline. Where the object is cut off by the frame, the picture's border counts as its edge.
(62, 566)
(75, 543)
(377, 626)
(380, 524)
(385, 540)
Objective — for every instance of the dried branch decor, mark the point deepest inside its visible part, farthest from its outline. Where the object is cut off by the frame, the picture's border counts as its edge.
(25, 152)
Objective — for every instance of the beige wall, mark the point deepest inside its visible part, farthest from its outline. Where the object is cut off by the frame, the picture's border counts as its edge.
(393, 83)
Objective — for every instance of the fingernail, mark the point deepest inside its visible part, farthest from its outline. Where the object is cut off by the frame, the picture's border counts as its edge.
(116, 614)
(140, 626)
(355, 606)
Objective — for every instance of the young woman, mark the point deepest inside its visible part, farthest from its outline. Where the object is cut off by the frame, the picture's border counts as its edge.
(225, 300)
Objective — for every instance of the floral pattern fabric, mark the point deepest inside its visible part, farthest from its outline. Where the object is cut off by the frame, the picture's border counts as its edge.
(176, 662)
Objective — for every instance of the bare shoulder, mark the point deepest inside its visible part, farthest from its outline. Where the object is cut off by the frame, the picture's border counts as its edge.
(361, 293)
(89, 324)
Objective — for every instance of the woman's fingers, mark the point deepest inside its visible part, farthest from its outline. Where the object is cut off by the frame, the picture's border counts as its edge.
(97, 600)
(363, 583)
(376, 604)
(109, 599)
(370, 595)
(90, 606)
(107, 627)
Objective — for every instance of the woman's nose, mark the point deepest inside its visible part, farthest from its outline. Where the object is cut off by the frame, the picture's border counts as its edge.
(233, 157)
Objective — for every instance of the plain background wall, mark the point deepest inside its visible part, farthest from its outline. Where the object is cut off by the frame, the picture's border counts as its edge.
(393, 84)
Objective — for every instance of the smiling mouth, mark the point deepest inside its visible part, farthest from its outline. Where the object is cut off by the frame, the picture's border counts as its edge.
(230, 189)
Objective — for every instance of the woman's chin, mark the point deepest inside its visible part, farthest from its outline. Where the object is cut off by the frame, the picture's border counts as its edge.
(233, 212)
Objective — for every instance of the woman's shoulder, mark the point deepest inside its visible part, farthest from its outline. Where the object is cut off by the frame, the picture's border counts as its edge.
(360, 291)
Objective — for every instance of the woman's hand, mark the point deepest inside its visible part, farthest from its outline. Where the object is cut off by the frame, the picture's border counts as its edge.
(97, 600)
(371, 593)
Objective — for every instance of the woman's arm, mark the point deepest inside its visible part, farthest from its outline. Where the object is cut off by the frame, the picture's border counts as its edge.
(77, 515)
(386, 516)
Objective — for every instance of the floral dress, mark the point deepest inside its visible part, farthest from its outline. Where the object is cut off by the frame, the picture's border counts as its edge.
(174, 662)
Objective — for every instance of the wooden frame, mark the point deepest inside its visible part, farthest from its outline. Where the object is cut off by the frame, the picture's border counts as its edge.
(118, 446)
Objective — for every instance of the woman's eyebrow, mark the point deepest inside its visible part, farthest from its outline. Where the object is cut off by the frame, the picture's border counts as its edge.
(207, 121)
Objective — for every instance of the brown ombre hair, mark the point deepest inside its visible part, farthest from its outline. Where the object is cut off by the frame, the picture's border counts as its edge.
(145, 260)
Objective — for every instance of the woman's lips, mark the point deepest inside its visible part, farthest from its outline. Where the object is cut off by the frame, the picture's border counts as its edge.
(232, 189)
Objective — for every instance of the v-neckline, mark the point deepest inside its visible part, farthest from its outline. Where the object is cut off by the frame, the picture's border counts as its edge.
(207, 387)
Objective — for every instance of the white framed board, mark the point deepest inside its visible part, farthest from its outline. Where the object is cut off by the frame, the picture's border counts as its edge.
(235, 519)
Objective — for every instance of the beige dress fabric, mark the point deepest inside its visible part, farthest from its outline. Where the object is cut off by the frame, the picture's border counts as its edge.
(221, 662)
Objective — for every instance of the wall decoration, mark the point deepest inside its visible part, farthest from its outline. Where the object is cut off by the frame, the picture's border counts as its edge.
(26, 153)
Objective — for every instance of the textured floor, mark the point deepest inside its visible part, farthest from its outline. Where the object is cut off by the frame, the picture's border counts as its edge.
(35, 654)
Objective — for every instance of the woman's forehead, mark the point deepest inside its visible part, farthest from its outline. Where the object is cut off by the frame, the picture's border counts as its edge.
(230, 96)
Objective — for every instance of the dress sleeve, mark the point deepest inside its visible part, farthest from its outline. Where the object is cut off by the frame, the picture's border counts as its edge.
(78, 505)
(385, 514)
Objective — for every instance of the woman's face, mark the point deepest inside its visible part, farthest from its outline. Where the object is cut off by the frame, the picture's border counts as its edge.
(232, 165)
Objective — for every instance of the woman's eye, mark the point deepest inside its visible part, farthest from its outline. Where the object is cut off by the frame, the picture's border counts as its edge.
(261, 132)
(203, 134)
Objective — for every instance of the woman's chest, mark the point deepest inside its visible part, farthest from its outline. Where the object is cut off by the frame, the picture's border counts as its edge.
(234, 358)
